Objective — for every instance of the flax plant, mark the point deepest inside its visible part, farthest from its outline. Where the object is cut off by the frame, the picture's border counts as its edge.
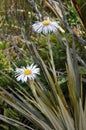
(44, 108)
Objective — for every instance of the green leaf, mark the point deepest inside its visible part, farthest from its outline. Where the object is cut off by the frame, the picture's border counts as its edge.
(82, 70)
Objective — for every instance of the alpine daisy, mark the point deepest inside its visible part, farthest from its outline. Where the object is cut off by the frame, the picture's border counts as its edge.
(45, 26)
(29, 72)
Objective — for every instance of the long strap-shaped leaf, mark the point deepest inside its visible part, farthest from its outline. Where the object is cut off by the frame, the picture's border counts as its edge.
(23, 108)
(73, 89)
(71, 78)
(15, 123)
(68, 121)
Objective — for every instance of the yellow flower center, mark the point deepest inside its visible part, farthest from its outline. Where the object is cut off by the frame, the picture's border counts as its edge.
(27, 72)
(46, 22)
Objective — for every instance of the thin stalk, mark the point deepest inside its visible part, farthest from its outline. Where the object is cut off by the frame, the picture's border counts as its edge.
(57, 88)
(51, 59)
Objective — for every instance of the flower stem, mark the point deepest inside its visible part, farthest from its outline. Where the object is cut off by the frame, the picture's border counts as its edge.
(51, 59)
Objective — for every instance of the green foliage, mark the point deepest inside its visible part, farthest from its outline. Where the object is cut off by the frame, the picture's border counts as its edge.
(82, 70)
(4, 58)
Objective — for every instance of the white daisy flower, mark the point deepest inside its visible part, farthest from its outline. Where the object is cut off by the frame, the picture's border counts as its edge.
(45, 26)
(29, 72)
